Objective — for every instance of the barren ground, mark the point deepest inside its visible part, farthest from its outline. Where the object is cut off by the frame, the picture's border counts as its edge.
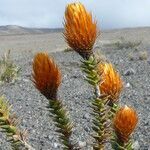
(74, 91)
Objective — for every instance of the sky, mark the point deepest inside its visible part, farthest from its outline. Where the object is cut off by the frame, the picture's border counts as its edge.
(50, 13)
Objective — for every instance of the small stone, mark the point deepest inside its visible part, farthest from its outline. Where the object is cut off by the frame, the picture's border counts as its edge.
(86, 116)
(55, 145)
(86, 128)
(25, 80)
(146, 123)
(129, 72)
(50, 137)
(27, 104)
(128, 85)
(28, 75)
(30, 62)
(42, 143)
(81, 144)
(136, 145)
(33, 131)
(148, 62)
(21, 85)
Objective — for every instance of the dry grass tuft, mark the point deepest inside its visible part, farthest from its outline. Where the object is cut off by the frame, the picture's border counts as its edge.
(143, 55)
(68, 49)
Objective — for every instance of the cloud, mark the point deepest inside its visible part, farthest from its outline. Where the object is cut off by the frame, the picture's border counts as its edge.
(47, 13)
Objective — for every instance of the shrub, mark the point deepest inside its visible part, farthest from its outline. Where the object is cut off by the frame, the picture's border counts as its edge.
(8, 70)
(123, 43)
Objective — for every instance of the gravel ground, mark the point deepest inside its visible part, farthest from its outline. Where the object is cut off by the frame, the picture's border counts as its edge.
(30, 105)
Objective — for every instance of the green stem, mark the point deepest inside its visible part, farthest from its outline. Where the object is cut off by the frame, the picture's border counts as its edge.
(99, 105)
(9, 125)
(118, 145)
(100, 122)
(113, 109)
(62, 122)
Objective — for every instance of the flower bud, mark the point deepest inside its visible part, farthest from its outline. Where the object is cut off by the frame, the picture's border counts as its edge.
(46, 75)
(125, 121)
(80, 29)
(111, 83)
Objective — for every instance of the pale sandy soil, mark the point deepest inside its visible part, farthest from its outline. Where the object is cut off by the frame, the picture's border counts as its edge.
(53, 42)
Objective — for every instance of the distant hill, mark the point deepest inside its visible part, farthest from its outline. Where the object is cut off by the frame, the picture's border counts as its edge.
(18, 30)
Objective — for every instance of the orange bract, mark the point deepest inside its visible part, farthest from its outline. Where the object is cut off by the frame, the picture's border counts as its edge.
(124, 123)
(80, 29)
(46, 75)
(111, 84)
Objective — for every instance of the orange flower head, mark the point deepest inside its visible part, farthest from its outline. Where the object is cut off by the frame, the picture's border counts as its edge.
(125, 121)
(80, 29)
(46, 75)
(111, 83)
